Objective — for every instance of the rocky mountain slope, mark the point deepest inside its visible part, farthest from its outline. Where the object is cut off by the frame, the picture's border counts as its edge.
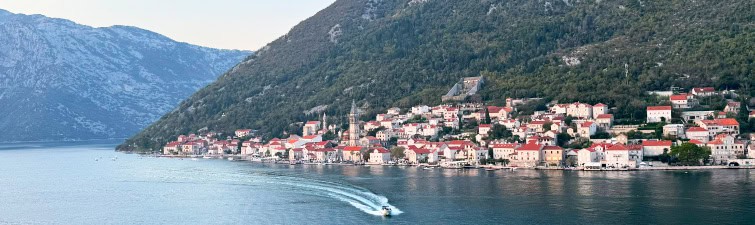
(63, 81)
(385, 53)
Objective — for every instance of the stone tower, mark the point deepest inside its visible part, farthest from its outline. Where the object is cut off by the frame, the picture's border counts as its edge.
(353, 125)
(324, 121)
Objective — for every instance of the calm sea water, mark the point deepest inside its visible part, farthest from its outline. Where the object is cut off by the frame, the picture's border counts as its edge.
(43, 184)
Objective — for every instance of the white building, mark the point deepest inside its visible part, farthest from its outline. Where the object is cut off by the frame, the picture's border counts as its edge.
(657, 114)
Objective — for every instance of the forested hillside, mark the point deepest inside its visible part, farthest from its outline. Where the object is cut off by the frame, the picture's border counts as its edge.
(405, 52)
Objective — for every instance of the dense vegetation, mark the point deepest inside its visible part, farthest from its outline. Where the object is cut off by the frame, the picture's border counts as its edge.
(390, 53)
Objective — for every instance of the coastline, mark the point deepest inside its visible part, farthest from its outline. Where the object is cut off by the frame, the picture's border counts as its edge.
(485, 167)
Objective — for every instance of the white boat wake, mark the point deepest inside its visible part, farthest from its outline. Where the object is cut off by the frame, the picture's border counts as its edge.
(361, 199)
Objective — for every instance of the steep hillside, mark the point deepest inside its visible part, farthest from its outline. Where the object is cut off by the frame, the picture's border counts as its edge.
(386, 53)
(63, 81)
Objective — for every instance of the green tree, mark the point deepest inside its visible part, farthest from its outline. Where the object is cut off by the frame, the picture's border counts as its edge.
(547, 126)
(329, 136)
(562, 139)
(397, 153)
(690, 154)
(487, 116)
(498, 131)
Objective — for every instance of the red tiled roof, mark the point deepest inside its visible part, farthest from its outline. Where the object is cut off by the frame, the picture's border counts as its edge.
(313, 122)
(587, 124)
(352, 148)
(504, 145)
(694, 141)
(618, 147)
(656, 143)
(652, 108)
(704, 89)
(552, 147)
(599, 105)
(696, 129)
(678, 97)
(605, 116)
(381, 150)
(530, 147)
(728, 122)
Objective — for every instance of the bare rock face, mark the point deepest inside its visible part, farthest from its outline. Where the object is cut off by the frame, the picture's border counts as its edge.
(64, 81)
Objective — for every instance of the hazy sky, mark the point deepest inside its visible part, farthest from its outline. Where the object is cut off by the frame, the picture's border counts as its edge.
(230, 24)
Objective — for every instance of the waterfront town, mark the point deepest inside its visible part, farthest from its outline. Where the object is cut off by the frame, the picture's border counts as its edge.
(570, 136)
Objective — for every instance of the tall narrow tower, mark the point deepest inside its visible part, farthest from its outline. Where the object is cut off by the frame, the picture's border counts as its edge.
(353, 125)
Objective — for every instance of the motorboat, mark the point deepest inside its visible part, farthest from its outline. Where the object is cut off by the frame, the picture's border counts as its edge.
(386, 211)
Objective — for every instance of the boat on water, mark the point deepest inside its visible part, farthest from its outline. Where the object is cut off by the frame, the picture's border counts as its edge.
(386, 211)
(207, 157)
(491, 169)
(230, 158)
(194, 159)
(427, 168)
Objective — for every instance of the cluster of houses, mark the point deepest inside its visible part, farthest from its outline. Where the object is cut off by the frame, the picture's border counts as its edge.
(421, 135)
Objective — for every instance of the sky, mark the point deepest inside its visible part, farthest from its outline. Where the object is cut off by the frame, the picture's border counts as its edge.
(227, 24)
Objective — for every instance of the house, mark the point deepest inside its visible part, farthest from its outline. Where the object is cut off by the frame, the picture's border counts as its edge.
(587, 129)
(527, 155)
(369, 141)
(352, 153)
(190, 148)
(699, 133)
(636, 153)
(577, 110)
(652, 148)
(732, 107)
(752, 115)
(553, 155)
(243, 133)
(311, 128)
(416, 155)
(326, 155)
(586, 156)
(600, 109)
(682, 101)
(703, 92)
(617, 156)
(696, 115)
(604, 121)
(716, 126)
(477, 154)
(171, 148)
(296, 154)
(657, 114)
(674, 130)
(394, 111)
(504, 151)
(380, 155)
(483, 129)
(419, 110)
(724, 148)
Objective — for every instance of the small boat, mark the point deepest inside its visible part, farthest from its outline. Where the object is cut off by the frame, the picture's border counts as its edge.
(427, 168)
(194, 159)
(491, 169)
(386, 211)
(207, 157)
(230, 158)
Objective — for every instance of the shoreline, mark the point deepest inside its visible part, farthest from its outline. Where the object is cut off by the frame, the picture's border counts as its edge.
(485, 167)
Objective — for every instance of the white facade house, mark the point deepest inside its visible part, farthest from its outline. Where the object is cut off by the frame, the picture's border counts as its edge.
(380, 156)
(657, 114)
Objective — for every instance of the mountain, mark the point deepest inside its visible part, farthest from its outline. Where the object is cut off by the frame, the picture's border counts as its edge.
(385, 53)
(63, 81)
